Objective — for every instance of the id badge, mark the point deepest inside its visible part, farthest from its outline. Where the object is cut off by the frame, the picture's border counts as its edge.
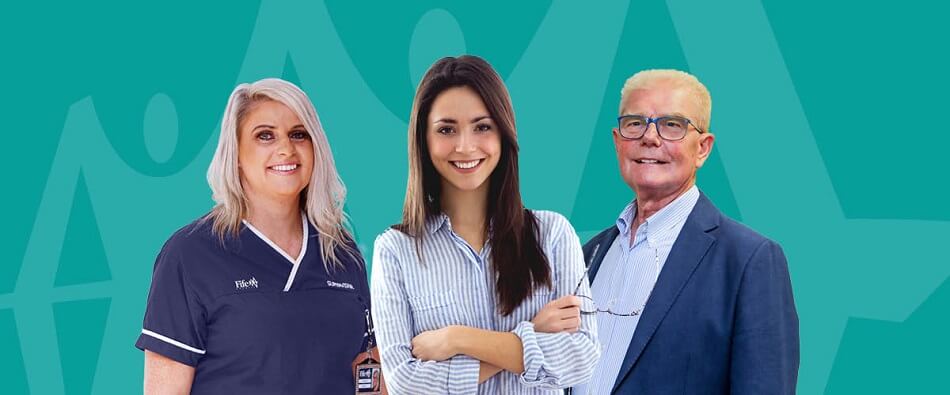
(369, 377)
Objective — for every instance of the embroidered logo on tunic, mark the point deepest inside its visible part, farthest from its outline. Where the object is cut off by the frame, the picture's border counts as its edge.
(245, 284)
(339, 285)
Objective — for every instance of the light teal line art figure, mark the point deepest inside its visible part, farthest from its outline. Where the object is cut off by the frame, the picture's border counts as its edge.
(841, 267)
(134, 211)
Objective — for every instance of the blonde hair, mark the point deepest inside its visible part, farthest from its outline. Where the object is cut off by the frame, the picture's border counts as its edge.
(322, 199)
(679, 79)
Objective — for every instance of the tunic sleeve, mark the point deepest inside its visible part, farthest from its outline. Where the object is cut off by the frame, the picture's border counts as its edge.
(174, 324)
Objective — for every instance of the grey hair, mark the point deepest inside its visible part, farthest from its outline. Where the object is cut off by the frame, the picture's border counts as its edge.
(322, 200)
(680, 79)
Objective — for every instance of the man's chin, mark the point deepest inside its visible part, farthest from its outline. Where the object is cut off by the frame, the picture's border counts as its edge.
(650, 189)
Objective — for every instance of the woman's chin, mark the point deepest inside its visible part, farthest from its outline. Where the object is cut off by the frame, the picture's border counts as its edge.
(284, 193)
(467, 187)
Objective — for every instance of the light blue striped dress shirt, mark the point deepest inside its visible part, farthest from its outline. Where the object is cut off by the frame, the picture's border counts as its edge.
(626, 278)
(454, 286)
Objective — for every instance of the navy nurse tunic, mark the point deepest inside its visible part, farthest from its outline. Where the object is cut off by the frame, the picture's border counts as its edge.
(252, 320)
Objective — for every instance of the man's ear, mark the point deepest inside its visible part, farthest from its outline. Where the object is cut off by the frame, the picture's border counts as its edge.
(617, 139)
(705, 147)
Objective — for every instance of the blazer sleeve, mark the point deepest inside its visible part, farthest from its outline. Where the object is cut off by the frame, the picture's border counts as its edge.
(765, 344)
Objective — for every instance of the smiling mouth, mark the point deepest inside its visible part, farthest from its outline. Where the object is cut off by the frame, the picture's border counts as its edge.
(650, 162)
(467, 165)
(283, 169)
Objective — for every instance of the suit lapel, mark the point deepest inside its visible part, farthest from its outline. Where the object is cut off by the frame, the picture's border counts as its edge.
(685, 256)
(600, 250)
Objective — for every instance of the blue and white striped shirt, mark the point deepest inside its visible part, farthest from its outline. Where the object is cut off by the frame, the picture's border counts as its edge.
(455, 286)
(626, 278)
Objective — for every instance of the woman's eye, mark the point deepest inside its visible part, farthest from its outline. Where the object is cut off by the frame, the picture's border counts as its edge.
(482, 127)
(445, 130)
(265, 136)
(299, 135)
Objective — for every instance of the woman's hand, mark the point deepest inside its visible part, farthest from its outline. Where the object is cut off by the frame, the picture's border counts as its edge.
(435, 345)
(559, 315)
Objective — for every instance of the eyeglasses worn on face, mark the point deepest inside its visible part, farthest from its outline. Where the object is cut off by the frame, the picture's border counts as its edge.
(670, 128)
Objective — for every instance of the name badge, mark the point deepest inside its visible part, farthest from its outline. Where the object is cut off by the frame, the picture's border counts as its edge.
(369, 377)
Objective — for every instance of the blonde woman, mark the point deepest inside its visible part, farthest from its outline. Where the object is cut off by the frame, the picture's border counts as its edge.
(267, 293)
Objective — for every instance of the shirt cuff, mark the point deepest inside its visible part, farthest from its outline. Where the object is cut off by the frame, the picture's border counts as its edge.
(463, 375)
(533, 356)
(168, 348)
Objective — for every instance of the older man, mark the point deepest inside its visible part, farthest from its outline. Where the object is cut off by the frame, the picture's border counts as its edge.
(688, 301)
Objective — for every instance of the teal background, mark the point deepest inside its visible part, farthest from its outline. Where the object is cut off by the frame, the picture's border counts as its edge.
(828, 117)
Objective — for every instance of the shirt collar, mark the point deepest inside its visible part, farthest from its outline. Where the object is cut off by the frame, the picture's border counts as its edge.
(441, 220)
(437, 222)
(668, 216)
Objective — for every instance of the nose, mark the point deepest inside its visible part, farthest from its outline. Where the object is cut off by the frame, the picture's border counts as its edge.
(651, 136)
(465, 142)
(285, 147)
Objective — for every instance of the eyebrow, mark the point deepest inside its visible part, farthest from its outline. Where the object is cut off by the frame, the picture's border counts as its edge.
(452, 120)
(267, 126)
(672, 114)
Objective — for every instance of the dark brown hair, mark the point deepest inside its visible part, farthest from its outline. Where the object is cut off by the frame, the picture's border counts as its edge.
(517, 260)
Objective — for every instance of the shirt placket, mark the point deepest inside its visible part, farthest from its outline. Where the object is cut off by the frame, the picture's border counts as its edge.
(478, 262)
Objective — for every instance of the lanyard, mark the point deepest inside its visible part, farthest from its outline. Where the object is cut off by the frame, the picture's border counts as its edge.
(371, 338)
(370, 332)
(369, 372)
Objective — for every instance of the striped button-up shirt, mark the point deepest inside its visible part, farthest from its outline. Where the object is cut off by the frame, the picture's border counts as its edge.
(626, 278)
(454, 285)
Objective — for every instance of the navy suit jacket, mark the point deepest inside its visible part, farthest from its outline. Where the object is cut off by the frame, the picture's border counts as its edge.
(721, 318)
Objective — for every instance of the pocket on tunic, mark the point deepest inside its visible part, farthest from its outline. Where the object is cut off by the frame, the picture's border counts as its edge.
(434, 311)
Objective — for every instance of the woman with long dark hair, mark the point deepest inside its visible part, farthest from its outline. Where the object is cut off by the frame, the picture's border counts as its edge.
(472, 292)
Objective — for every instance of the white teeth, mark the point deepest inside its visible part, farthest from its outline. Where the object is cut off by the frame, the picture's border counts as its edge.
(284, 167)
(466, 165)
(651, 161)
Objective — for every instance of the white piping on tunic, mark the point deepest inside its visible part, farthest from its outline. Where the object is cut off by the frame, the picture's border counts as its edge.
(294, 262)
(173, 342)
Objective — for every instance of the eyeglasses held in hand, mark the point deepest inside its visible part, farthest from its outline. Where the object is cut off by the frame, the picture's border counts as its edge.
(588, 311)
